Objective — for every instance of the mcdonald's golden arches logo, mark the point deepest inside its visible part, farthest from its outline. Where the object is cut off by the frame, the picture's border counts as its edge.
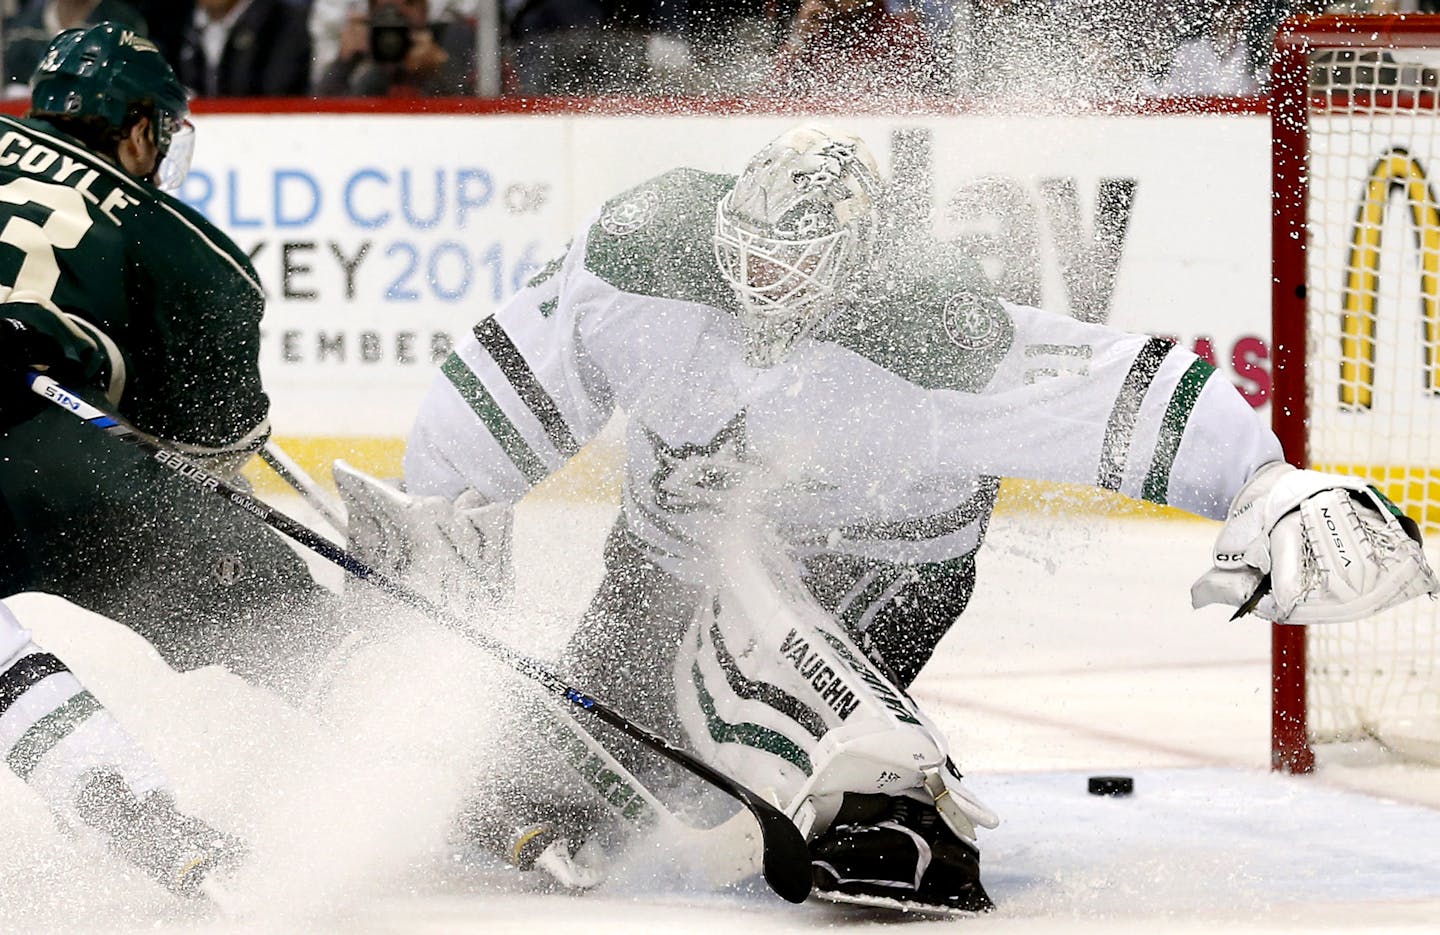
(1394, 172)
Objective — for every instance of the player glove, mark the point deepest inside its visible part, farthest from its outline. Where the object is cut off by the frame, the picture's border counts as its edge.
(1307, 547)
(23, 348)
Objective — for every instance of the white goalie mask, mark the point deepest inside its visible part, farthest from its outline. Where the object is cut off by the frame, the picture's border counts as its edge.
(798, 223)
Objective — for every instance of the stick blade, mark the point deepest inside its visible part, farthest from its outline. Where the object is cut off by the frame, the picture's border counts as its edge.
(785, 859)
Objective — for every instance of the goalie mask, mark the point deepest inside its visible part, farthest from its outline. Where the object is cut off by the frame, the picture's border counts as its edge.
(799, 222)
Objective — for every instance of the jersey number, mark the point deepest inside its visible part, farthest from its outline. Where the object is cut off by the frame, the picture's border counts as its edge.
(63, 230)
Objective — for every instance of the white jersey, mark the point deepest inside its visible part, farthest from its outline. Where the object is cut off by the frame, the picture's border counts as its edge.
(881, 436)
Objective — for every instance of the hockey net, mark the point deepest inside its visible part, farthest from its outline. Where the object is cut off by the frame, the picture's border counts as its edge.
(1355, 114)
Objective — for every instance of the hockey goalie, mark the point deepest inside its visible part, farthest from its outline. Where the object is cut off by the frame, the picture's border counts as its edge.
(819, 407)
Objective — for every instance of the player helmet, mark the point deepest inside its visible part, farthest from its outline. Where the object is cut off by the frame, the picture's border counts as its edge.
(800, 220)
(103, 72)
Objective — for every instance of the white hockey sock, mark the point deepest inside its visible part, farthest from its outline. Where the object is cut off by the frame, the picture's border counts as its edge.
(53, 732)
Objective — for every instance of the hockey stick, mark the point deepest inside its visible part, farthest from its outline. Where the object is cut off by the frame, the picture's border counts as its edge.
(785, 858)
(293, 474)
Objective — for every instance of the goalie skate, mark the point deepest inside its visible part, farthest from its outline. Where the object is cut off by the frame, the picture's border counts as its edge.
(543, 847)
(181, 853)
(895, 852)
(892, 904)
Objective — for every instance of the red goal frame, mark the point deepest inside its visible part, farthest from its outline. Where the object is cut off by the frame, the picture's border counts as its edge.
(1290, 107)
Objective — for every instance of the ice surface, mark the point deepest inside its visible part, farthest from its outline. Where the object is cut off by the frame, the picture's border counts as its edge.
(1079, 655)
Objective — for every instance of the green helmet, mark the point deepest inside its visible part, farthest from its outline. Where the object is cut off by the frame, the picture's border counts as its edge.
(100, 71)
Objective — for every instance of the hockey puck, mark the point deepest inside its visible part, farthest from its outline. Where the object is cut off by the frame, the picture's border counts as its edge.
(1111, 785)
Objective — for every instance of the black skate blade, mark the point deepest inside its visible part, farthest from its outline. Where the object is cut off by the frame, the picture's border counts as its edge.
(905, 906)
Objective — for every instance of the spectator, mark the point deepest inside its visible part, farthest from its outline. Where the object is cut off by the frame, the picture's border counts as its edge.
(168, 20)
(940, 20)
(30, 31)
(328, 19)
(327, 22)
(856, 48)
(240, 48)
(391, 48)
(730, 43)
(1222, 47)
(576, 47)
(1213, 55)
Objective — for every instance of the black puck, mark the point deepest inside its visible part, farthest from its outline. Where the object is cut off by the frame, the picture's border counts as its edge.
(1111, 785)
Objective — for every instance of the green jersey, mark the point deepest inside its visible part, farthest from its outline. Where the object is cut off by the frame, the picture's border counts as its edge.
(156, 306)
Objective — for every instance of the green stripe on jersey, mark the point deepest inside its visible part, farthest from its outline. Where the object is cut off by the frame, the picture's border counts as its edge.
(501, 428)
(527, 386)
(45, 733)
(1120, 429)
(1156, 488)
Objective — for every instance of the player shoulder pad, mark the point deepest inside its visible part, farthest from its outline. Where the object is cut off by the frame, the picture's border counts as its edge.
(214, 238)
(932, 319)
(656, 238)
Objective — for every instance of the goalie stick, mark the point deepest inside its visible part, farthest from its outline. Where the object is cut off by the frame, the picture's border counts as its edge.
(785, 857)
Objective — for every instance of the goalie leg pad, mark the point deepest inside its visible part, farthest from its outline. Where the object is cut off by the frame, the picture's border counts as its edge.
(773, 690)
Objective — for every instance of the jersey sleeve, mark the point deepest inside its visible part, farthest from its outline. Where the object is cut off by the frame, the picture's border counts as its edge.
(1082, 403)
(603, 325)
(979, 386)
(156, 308)
(517, 398)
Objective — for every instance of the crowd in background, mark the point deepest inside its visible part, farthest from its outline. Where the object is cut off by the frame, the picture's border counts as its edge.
(689, 48)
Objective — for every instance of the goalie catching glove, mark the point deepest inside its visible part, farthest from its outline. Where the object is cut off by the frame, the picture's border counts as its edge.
(1307, 547)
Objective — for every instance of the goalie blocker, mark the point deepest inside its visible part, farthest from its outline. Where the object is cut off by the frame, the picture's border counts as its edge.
(459, 548)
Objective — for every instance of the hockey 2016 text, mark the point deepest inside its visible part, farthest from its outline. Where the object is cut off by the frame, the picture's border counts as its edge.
(43, 162)
(399, 271)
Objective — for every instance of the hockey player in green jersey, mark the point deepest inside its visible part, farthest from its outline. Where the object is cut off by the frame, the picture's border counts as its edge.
(819, 411)
(128, 296)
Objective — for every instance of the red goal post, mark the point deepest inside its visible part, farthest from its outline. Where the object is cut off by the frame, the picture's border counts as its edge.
(1355, 134)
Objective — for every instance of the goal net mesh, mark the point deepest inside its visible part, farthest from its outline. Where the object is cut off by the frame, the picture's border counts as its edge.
(1373, 369)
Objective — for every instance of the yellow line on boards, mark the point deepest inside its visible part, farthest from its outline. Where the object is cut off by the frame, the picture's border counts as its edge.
(593, 476)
